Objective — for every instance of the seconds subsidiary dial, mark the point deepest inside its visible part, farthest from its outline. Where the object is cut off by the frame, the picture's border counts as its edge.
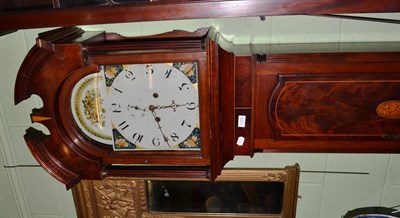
(153, 106)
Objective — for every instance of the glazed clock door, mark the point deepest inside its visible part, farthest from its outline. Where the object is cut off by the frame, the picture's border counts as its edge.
(141, 110)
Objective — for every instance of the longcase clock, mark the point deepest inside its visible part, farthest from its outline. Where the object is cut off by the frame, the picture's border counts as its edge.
(177, 105)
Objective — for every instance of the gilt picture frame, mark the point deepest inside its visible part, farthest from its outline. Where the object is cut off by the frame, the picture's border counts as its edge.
(125, 197)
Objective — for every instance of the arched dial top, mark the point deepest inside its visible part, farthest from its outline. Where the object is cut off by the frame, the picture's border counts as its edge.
(151, 106)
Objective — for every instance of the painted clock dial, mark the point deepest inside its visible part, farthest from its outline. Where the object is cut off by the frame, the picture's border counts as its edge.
(140, 106)
(153, 106)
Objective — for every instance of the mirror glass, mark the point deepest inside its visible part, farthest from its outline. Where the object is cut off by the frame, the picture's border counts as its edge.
(217, 197)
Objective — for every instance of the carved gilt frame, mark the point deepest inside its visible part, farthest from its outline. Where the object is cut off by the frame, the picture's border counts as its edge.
(123, 197)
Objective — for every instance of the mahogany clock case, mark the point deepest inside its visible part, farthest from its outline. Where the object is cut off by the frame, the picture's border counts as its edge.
(332, 97)
(64, 56)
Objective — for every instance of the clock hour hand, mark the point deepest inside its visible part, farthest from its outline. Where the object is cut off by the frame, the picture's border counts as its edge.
(134, 107)
(137, 108)
(152, 108)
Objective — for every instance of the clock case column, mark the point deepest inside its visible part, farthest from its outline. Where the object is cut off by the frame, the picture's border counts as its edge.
(62, 56)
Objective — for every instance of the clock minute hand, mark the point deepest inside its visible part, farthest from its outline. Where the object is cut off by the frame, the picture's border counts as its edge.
(173, 106)
(152, 108)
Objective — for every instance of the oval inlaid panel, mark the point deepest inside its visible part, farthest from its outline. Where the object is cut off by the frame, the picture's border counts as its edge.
(389, 109)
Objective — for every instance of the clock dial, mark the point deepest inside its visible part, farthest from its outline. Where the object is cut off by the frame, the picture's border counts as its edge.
(153, 106)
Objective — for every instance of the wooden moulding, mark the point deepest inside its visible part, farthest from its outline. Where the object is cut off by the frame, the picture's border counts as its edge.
(184, 9)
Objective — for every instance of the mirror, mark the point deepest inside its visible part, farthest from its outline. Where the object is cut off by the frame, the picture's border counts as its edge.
(215, 197)
(235, 193)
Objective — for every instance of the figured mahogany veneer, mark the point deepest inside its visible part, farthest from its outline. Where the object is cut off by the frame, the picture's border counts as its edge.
(333, 106)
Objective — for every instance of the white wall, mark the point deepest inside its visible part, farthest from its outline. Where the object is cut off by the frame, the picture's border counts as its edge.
(31, 192)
